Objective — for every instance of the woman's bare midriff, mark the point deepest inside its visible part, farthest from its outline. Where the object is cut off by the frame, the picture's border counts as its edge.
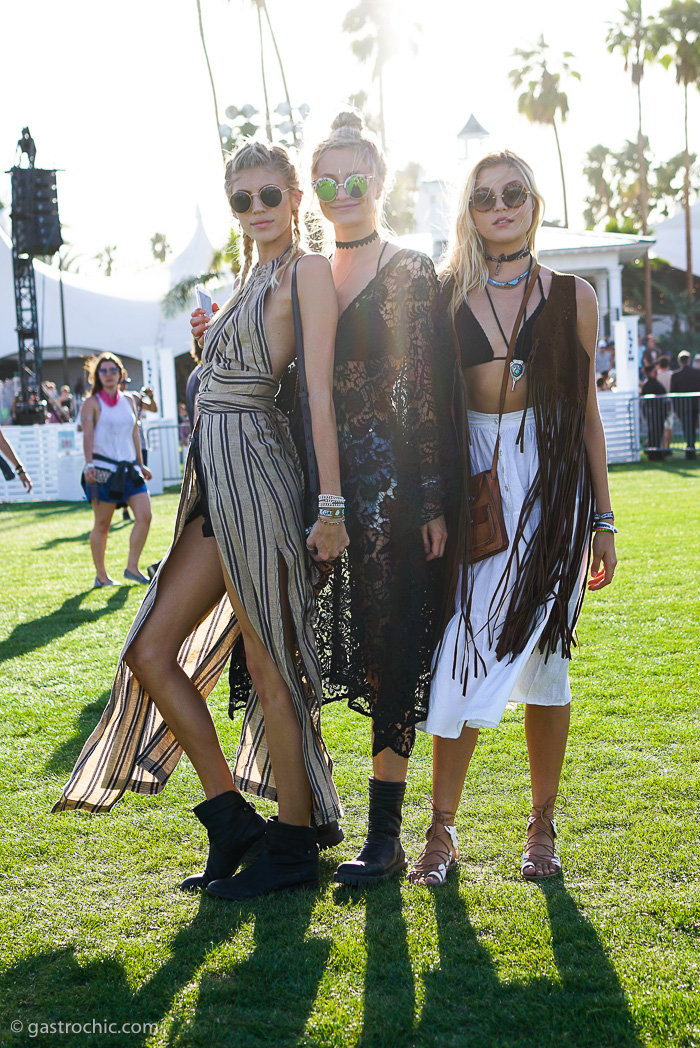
(483, 383)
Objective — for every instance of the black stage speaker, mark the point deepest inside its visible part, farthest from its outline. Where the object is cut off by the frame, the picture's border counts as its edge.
(36, 229)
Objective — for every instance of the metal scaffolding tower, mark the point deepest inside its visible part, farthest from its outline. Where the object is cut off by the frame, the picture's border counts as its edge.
(36, 231)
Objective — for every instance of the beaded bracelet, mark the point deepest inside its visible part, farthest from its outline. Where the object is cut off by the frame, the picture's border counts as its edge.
(331, 501)
(332, 523)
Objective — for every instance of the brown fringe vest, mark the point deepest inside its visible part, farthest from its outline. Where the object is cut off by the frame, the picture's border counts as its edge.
(549, 565)
(558, 371)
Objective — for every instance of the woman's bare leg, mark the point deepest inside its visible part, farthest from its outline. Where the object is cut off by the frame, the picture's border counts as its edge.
(104, 511)
(451, 759)
(191, 583)
(282, 728)
(546, 732)
(389, 767)
(141, 508)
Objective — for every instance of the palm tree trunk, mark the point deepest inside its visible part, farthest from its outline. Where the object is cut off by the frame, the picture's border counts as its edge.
(644, 207)
(268, 121)
(382, 127)
(690, 282)
(561, 168)
(211, 78)
(284, 78)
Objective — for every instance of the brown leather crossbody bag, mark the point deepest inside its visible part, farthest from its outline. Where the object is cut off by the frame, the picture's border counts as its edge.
(487, 533)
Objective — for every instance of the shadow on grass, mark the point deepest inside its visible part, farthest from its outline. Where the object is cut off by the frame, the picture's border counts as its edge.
(29, 636)
(466, 1004)
(260, 1002)
(63, 539)
(268, 998)
(63, 759)
(45, 509)
(389, 991)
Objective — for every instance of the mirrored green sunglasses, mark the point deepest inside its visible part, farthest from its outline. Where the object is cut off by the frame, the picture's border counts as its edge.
(355, 186)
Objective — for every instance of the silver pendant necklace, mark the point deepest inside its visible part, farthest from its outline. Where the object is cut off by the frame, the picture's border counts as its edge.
(517, 366)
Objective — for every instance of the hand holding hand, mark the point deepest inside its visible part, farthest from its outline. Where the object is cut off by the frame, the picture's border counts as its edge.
(603, 560)
(434, 535)
(325, 542)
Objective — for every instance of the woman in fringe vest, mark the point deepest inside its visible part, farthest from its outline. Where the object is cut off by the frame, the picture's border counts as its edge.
(238, 568)
(512, 632)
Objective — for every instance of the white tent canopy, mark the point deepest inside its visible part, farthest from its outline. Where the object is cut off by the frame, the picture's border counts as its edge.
(115, 314)
(670, 239)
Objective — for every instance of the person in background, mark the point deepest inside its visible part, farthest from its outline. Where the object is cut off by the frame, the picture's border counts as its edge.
(143, 401)
(114, 469)
(192, 387)
(654, 411)
(67, 402)
(8, 452)
(687, 380)
(663, 374)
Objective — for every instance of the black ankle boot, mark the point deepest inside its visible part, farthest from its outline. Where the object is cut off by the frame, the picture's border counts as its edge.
(233, 826)
(381, 856)
(328, 835)
(290, 861)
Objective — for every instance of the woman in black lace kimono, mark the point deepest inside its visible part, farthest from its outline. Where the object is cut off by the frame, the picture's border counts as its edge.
(378, 617)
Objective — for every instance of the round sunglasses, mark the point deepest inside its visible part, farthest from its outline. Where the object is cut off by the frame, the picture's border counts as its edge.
(513, 195)
(242, 201)
(355, 186)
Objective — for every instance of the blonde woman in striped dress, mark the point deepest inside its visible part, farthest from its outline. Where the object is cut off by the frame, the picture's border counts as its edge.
(238, 569)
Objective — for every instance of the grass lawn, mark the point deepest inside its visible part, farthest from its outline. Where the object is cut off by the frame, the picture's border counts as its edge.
(93, 928)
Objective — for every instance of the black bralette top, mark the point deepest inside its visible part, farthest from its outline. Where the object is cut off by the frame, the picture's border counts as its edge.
(474, 346)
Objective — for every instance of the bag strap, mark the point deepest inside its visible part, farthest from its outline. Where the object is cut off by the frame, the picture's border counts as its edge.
(303, 388)
(532, 280)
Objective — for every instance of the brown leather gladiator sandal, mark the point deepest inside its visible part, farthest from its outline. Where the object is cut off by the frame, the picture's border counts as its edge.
(540, 847)
(440, 853)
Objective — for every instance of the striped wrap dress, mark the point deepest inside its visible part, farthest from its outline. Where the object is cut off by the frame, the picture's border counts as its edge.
(246, 477)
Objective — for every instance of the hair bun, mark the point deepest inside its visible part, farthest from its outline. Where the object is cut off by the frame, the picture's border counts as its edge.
(347, 119)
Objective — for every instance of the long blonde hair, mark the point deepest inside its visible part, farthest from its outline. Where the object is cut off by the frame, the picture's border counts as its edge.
(348, 132)
(464, 265)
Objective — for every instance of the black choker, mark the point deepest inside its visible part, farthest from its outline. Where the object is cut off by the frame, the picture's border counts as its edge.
(374, 235)
(523, 253)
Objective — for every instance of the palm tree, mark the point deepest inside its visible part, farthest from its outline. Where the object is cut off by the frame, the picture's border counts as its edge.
(676, 35)
(383, 41)
(543, 98)
(211, 77)
(261, 8)
(630, 36)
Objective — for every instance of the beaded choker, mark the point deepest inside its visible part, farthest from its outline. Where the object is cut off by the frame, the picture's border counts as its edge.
(374, 235)
(523, 253)
(508, 283)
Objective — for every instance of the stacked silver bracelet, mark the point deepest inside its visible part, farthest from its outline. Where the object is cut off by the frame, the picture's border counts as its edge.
(331, 509)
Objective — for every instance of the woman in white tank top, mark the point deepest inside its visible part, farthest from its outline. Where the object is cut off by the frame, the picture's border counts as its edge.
(114, 470)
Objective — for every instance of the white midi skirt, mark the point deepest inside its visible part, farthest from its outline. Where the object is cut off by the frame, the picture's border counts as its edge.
(491, 684)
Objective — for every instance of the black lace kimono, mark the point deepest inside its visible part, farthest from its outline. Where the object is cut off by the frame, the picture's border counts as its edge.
(379, 617)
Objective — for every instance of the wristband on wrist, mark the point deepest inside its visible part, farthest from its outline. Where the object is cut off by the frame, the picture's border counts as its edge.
(89, 465)
(20, 470)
